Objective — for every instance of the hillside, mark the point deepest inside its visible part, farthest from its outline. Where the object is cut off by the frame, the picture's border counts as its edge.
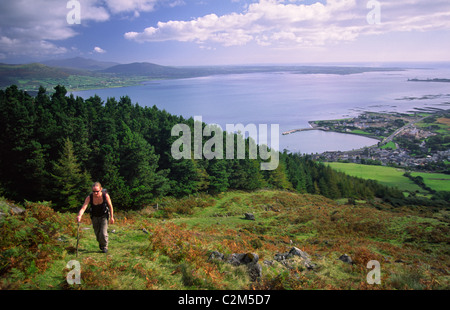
(79, 63)
(31, 76)
(176, 244)
(81, 73)
(147, 69)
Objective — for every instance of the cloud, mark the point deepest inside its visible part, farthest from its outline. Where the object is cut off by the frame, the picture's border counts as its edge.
(136, 6)
(290, 23)
(33, 28)
(99, 50)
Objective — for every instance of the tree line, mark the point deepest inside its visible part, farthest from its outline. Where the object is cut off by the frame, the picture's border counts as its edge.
(53, 146)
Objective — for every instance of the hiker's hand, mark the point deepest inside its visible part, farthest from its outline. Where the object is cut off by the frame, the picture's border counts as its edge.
(78, 218)
(112, 220)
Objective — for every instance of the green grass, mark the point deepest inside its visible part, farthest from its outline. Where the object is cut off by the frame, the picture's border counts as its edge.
(388, 176)
(436, 181)
(393, 177)
(360, 132)
(389, 145)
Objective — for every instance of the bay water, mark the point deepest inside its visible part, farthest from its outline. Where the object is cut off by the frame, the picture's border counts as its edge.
(291, 100)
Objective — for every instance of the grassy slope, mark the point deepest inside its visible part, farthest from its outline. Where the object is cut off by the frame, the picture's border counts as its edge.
(411, 245)
(393, 176)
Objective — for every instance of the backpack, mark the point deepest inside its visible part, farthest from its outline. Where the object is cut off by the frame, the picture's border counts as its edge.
(101, 209)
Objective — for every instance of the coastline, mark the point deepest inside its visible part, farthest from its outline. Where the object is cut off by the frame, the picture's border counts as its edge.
(313, 126)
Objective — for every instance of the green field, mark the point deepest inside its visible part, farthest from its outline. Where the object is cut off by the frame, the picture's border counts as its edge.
(437, 181)
(394, 176)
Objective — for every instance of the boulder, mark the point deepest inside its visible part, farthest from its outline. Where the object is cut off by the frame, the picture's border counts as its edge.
(346, 259)
(249, 216)
(237, 259)
(243, 259)
(295, 252)
(9, 208)
(216, 255)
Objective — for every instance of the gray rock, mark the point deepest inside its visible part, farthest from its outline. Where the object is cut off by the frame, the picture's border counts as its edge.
(216, 255)
(237, 259)
(254, 271)
(8, 208)
(250, 260)
(249, 216)
(305, 258)
(297, 252)
(346, 259)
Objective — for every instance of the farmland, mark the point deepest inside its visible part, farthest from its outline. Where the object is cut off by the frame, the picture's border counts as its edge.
(393, 177)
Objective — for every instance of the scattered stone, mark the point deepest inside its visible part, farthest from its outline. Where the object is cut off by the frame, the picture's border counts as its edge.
(295, 252)
(237, 259)
(145, 231)
(11, 208)
(346, 259)
(249, 216)
(216, 255)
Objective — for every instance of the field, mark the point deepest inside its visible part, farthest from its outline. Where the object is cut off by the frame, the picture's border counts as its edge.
(388, 176)
(169, 247)
(437, 181)
(394, 176)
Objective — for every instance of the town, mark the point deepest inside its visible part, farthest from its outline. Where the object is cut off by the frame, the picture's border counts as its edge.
(416, 141)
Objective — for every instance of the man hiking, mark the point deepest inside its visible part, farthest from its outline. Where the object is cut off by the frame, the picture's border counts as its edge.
(101, 209)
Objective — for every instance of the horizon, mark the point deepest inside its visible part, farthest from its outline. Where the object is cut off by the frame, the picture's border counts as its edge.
(401, 64)
(228, 32)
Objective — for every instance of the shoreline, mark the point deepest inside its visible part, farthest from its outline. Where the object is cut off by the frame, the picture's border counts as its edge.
(314, 127)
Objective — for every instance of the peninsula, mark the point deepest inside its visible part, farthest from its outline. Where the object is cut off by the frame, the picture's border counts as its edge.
(415, 140)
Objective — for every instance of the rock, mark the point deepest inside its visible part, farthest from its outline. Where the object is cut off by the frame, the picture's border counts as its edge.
(346, 259)
(145, 231)
(237, 259)
(17, 210)
(298, 252)
(295, 252)
(11, 209)
(243, 259)
(249, 216)
(216, 255)
(254, 271)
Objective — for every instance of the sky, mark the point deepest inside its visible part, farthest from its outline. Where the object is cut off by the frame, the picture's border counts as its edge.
(226, 32)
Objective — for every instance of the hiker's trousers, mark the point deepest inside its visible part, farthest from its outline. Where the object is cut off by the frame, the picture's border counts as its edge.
(100, 224)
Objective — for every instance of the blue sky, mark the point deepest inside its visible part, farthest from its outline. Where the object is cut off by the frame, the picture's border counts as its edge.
(197, 32)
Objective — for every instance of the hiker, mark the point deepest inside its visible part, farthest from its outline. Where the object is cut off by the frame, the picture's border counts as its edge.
(101, 209)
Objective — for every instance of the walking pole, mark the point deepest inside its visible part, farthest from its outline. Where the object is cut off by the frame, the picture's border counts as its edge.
(78, 230)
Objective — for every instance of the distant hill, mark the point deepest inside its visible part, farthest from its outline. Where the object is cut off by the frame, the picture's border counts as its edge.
(10, 74)
(150, 70)
(80, 63)
(81, 73)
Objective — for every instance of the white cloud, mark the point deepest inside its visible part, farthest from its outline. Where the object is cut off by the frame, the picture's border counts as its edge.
(33, 27)
(136, 6)
(99, 50)
(293, 23)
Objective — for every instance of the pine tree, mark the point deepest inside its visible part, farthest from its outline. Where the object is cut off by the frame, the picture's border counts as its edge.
(71, 184)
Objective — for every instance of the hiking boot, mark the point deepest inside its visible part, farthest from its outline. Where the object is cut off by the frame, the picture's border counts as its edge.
(105, 250)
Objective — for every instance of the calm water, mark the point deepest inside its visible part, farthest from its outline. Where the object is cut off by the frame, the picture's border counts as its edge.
(291, 100)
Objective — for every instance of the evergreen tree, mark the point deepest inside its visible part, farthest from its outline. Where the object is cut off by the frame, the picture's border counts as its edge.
(70, 183)
(218, 176)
